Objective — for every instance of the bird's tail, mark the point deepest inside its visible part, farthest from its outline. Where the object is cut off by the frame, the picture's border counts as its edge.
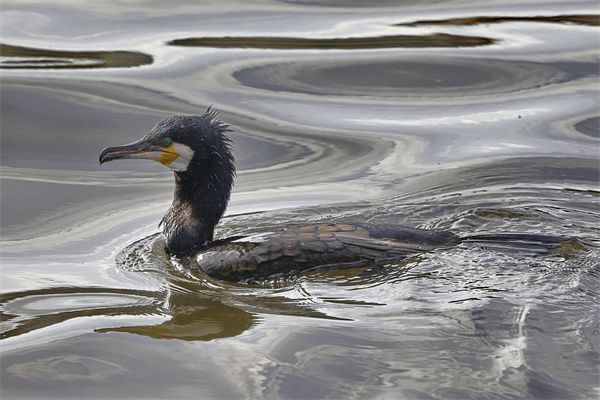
(526, 243)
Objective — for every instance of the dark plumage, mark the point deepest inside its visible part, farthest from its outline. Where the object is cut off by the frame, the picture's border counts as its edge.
(202, 183)
(198, 151)
(202, 191)
(303, 247)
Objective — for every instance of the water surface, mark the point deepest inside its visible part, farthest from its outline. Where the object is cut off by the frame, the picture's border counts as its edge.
(461, 115)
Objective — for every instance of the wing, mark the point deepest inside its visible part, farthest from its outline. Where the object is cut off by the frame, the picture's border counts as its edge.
(298, 248)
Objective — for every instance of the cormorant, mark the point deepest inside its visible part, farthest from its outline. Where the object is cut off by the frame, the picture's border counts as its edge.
(198, 151)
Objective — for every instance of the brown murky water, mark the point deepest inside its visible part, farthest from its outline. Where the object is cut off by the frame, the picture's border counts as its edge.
(462, 115)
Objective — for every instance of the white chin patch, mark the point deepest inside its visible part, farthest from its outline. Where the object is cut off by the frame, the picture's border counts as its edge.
(181, 163)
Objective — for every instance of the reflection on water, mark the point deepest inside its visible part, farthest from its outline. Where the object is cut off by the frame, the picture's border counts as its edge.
(409, 77)
(590, 127)
(23, 57)
(381, 42)
(477, 118)
(593, 20)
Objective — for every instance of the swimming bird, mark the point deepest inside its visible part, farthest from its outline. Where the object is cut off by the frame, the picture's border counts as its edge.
(198, 151)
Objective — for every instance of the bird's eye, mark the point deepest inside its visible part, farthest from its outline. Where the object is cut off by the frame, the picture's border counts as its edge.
(166, 142)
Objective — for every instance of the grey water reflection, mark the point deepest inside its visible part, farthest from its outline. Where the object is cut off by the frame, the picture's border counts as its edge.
(462, 115)
(408, 77)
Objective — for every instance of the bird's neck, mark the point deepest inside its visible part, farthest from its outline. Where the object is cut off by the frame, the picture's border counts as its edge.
(200, 199)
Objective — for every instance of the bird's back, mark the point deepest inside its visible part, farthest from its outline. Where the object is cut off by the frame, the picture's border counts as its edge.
(298, 248)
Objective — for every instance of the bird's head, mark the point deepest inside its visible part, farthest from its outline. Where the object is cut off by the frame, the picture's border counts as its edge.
(179, 143)
(198, 150)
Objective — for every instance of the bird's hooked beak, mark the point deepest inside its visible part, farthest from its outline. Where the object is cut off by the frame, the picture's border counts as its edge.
(140, 149)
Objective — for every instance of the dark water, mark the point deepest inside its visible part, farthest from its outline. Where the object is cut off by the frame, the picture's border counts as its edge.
(478, 117)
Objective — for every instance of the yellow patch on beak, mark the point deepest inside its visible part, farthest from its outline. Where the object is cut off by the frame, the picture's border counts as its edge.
(168, 155)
